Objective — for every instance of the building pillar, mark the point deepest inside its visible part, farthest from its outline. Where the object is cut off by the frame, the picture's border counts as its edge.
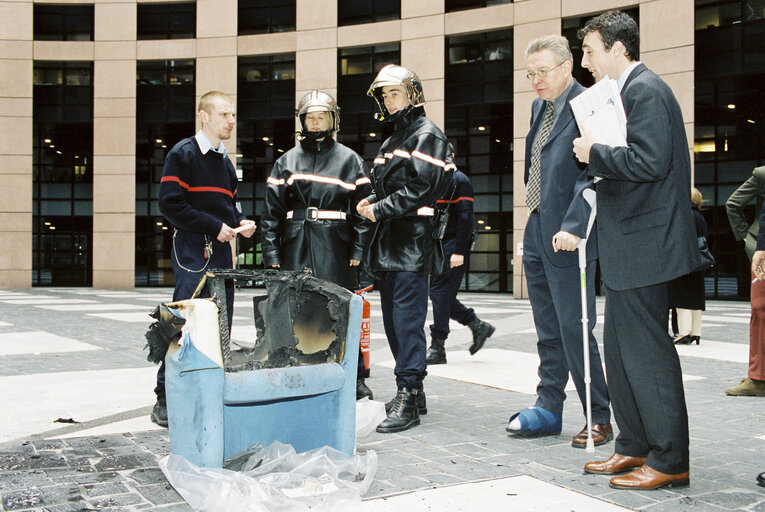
(114, 111)
(316, 48)
(530, 23)
(16, 140)
(423, 44)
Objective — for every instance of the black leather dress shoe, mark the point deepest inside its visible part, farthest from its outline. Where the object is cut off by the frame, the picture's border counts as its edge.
(761, 479)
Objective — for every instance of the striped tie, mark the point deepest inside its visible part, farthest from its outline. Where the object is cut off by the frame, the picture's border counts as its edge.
(533, 187)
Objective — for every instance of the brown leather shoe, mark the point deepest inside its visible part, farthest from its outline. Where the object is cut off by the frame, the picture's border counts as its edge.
(601, 434)
(646, 478)
(614, 465)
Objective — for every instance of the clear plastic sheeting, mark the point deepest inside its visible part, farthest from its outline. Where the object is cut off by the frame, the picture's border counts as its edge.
(275, 479)
(369, 414)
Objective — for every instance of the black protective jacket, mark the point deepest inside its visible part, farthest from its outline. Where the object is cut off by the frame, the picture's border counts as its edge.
(410, 172)
(330, 177)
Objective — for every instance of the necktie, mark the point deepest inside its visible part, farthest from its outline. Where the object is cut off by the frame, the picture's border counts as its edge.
(533, 187)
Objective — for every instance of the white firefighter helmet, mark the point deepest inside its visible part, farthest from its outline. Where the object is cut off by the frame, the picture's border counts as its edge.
(318, 101)
(393, 74)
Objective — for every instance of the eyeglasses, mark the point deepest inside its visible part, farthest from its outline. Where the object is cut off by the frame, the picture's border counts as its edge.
(542, 73)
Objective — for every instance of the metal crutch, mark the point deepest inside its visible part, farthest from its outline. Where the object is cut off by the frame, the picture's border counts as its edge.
(589, 196)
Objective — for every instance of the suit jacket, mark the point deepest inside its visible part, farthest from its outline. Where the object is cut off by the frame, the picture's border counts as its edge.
(752, 188)
(562, 207)
(646, 233)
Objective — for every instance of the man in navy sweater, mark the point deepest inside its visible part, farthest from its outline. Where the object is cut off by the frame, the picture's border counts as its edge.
(197, 195)
(444, 287)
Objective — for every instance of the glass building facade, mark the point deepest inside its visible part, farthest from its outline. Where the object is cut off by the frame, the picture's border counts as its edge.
(729, 126)
(265, 131)
(78, 214)
(479, 110)
(62, 173)
(165, 110)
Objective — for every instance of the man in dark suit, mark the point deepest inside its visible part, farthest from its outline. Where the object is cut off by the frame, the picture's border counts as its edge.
(557, 222)
(646, 238)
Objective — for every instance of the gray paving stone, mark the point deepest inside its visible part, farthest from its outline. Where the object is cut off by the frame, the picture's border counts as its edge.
(160, 494)
(462, 439)
(14, 480)
(41, 497)
(93, 490)
(731, 498)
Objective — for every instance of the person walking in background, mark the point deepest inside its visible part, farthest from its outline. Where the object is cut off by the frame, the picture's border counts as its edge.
(557, 222)
(751, 190)
(687, 293)
(310, 218)
(197, 195)
(646, 238)
(758, 269)
(458, 239)
(408, 177)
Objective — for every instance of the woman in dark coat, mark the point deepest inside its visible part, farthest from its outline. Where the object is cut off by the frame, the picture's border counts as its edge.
(687, 293)
(310, 218)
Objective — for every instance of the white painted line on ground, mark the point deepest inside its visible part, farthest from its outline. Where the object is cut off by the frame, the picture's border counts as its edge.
(5, 324)
(83, 396)
(47, 300)
(725, 319)
(96, 307)
(721, 351)
(166, 299)
(142, 317)
(497, 368)
(39, 342)
(522, 492)
(533, 330)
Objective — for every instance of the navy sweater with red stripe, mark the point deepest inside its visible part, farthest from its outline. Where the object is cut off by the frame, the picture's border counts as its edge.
(459, 228)
(198, 192)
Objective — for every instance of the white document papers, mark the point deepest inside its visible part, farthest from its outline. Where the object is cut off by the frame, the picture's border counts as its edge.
(600, 113)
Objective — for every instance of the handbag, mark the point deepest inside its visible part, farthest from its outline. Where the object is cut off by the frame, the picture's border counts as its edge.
(707, 260)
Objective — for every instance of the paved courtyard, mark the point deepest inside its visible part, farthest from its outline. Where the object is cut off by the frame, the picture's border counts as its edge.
(76, 391)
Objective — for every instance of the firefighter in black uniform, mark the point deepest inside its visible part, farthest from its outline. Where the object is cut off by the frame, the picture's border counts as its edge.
(310, 220)
(409, 176)
(443, 288)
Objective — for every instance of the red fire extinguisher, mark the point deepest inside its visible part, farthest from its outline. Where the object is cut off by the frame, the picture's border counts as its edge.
(365, 326)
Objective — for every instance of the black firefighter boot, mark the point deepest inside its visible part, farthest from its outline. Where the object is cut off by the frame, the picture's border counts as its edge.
(159, 412)
(422, 404)
(436, 354)
(362, 390)
(403, 414)
(481, 331)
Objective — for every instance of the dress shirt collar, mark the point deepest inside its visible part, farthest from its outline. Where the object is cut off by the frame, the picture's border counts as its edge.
(625, 74)
(205, 145)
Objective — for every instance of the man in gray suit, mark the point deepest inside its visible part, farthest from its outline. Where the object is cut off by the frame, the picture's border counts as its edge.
(557, 222)
(646, 238)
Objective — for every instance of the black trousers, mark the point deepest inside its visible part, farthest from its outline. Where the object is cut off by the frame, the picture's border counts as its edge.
(404, 304)
(645, 380)
(443, 297)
